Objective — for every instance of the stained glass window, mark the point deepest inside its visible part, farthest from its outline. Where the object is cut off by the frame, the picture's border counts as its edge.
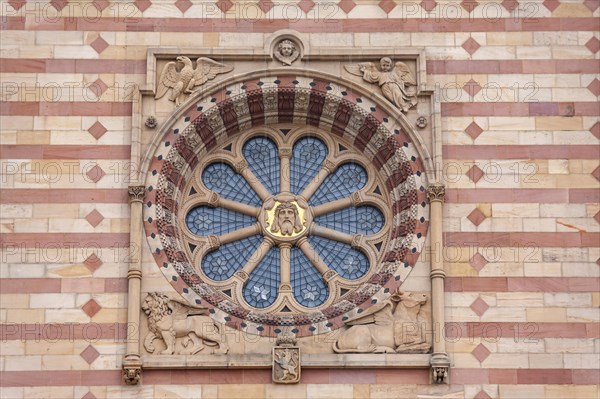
(265, 231)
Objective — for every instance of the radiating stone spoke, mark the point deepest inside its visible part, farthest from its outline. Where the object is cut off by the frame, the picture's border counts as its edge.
(258, 256)
(285, 173)
(238, 207)
(243, 169)
(239, 234)
(285, 265)
(332, 234)
(327, 168)
(356, 199)
(315, 259)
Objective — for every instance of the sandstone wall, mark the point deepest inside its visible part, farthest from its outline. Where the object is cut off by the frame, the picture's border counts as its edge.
(518, 86)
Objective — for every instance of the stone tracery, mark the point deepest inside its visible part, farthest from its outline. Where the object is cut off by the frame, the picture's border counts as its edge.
(203, 131)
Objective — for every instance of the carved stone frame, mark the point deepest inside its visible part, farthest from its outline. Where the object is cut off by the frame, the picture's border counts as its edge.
(310, 63)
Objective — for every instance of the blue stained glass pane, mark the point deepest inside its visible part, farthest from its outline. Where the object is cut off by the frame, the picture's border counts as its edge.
(307, 157)
(222, 179)
(309, 288)
(262, 287)
(220, 264)
(345, 260)
(348, 178)
(365, 220)
(263, 159)
(205, 221)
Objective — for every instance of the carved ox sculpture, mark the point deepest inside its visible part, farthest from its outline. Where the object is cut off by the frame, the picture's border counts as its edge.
(392, 326)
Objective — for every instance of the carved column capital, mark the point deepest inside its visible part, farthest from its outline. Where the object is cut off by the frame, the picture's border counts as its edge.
(285, 152)
(329, 165)
(136, 193)
(241, 166)
(436, 192)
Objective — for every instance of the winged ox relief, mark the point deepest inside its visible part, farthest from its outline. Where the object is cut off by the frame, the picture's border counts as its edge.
(397, 82)
(182, 78)
(395, 325)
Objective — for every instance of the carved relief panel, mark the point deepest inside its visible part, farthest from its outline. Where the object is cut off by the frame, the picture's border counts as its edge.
(286, 195)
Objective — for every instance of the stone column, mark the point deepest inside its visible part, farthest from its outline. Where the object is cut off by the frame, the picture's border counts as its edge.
(132, 363)
(440, 362)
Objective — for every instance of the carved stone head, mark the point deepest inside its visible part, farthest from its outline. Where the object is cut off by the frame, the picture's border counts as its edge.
(287, 219)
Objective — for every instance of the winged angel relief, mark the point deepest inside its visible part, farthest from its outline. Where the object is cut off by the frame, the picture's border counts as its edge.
(396, 81)
(184, 79)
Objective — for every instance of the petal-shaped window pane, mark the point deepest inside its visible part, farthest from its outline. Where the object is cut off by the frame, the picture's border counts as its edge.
(348, 178)
(347, 261)
(219, 265)
(222, 179)
(205, 221)
(307, 157)
(309, 288)
(365, 220)
(263, 159)
(262, 287)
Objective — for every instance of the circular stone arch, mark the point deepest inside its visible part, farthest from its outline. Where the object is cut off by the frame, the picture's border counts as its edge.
(208, 120)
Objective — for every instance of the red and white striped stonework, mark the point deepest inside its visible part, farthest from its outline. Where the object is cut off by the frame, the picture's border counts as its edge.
(518, 87)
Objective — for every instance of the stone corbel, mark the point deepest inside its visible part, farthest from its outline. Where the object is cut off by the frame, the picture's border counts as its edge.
(440, 362)
(132, 363)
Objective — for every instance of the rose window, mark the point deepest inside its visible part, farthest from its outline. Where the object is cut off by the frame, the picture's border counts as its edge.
(285, 221)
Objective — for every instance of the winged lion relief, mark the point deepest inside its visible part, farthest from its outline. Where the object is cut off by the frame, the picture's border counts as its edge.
(397, 83)
(170, 319)
(182, 78)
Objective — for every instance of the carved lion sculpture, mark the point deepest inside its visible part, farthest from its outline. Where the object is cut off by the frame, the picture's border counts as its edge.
(169, 319)
(392, 326)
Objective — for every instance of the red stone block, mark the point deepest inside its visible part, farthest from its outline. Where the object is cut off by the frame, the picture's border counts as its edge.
(479, 306)
(189, 377)
(428, 5)
(89, 354)
(158, 377)
(476, 217)
(469, 376)
(225, 376)
(481, 352)
(347, 5)
(183, 5)
(99, 44)
(538, 284)
(101, 377)
(402, 376)
(16, 65)
(469, 5)
(66, 196)
(503, 376)
(315, 376)
(94, 218)
(257, 376)
(484, 284)
(482, 395)
(544, 376)
(352, 376)
(387, 5)
(29, 285)
(91, 307)
(551, 4)
(116, 284)
(471, 46)
(306, 5)
(586, 376)
(475, 174)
